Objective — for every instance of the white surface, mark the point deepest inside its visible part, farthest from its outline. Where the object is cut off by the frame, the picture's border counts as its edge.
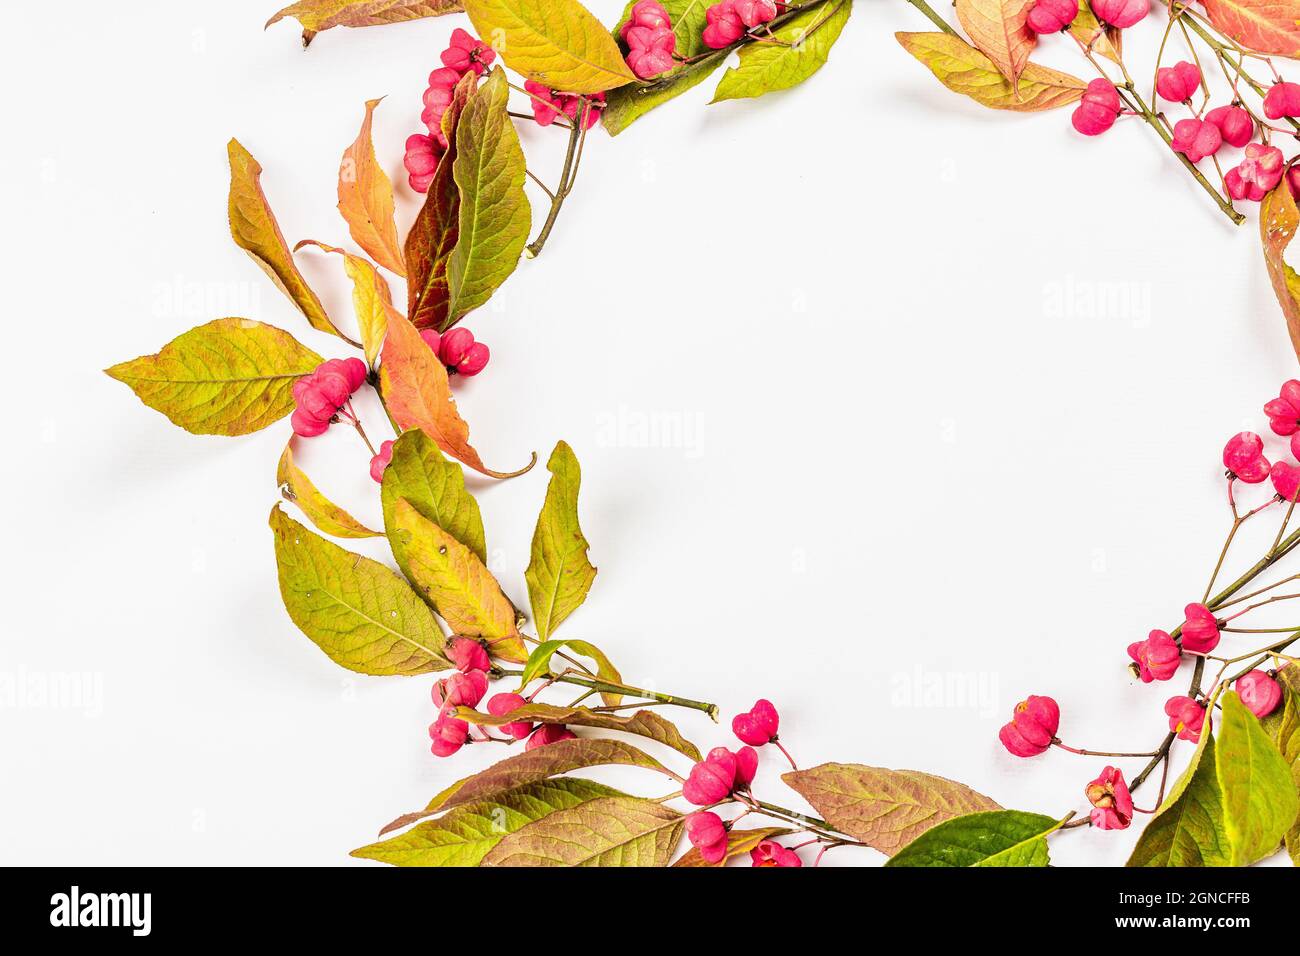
(901, 459)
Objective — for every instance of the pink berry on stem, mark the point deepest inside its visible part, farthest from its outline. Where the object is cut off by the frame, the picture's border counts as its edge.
(649, 14)
(771, 853)
(650, 51)
(1098, 108)
(468, 655)
(1052, 16)
(1157, 657)
(549, 734)
(1200, 629)
(1243, 456)
(421, 160)
(1286, 480)
(754, 13)
(467, 52)
(1121, 13)
(448, 735)
(1177, 83)
(432, 339)
(379, 464)
(1284, 411)
(460, 690)
(1256, 175)
(708, 834)
(1196, 139)
(1032, 727)
(723, 25)
(501, 704)
(1112, 804)
(1235, 124)
(1259, 692)
(1282, 99)
(1186, 717)
(758, 725)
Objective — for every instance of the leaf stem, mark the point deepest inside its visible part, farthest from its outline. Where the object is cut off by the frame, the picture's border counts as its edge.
(577, 135)
(610, 687)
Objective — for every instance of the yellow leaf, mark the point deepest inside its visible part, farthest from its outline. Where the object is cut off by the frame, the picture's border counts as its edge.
(323, 513)
(372, 300)
(253, 226)
(964, 69)
(1092, 36)
(458, 585)
(318, 15)
(366, 200)
(1278, 221)
(557, 43)
(999, 31)
(418, 395)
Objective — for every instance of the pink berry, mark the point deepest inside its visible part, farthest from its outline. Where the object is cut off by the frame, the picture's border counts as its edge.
(754, 13)
(1259, 692)
(475, 359)
(1282, 99)
(1257, 174)
(758, 725)
(431, 339)
(1196, 139)
(467, 52)
(1157, 657)
(1112, 804)
(1052, 16)
(649, 14)
(1286, 480)
(720, 774)
(448, 735)
(1032, 727)
(1177, 83)
(549, 734)
(445, 78)
(459, 352)
(421, 160)
(501, 704)
(650, 52)
(1243, 456)
(379, 464)
(1121, 13)
(468, 655)
(1293, 182)
(546, 105)
(1200, 629)
(723, 25)
(1186, 717)
(571, 104)
(1235, 124)
(1284, 411)
(460, 690)
(320, 395)
(1098, 108)
(771, 853)
(436, 101)
(708, 834)
(305, 426)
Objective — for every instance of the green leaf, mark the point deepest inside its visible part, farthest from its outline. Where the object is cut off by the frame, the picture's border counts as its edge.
(530, 767)
(228, 377)
(1288, 744)
(806, 42)
(557, 43)
(435, 487)
(688, 20)
(1259, 795)
(465, 835)
(295, 486)
(608, 831)
(254, 229)
(458, 585)
(627, 104)
(1187, 830)
(992, 838)
(559, 574)
(885, 809)
(644, 723)
(361, 614)
(539, 662)
(494, 212)
(739, 842)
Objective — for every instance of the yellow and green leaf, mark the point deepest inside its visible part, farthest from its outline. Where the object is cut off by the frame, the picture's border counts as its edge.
(804, 43)
(607, 831)
(559, 574)
(295, 486)
(318, 15)
(964, 69)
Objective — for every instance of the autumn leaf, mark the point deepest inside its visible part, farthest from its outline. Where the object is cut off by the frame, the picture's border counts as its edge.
(999, 30)
(295, 486)
(433, 234)
(739, 842)
(627, 104)
(607, 831)
(539, 662)
(1278, 221)
(885, 809)
(228, 377)
(529, 767)
(458, 585)
(994, 838)
(366, 200)
(964, 69)
(494, 212)
(465, 834)
(1265, 26)
(253, 226)
(418, 395)
(557, 43)
(559, 574)
(372, 300)
(360, 613)
(644, 723)
(804, 44)
(1091, 35)
(318, 15)
(688, 17)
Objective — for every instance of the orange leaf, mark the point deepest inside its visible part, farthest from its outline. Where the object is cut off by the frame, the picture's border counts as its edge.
(318, 15)
(998, 29)
(418, 395)
(1266, 26)
(1278, 221)
(366, 200)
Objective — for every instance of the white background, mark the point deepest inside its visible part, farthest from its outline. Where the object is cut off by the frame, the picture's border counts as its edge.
(912, 448)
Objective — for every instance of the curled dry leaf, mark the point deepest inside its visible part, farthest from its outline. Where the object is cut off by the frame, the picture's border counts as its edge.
(228, 377)
(557, 43)
(644, 723)
(253, 226)
(964, 69)
(1265, 26)
(805, 42)
(295, 486)
(360, 613)
(318, 15)
(366, 200)
(998, 29)
(418, 395)
(372, 300)
(1278, 222)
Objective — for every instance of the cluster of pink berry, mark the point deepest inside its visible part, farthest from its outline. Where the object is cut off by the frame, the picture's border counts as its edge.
(548, 105)
(324, 395)
(728, 21)
(424, 150)
(725, 775)
(466, 688)
(651, 43)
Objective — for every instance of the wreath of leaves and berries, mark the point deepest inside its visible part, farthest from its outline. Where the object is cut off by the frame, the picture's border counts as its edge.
(560, 704)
